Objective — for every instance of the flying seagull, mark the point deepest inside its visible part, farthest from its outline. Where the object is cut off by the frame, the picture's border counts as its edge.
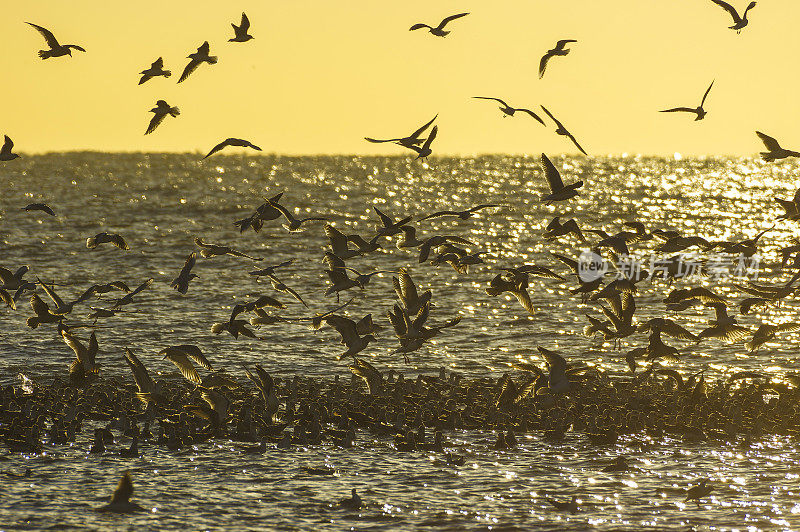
(231, 142)
(161, 110)
(56, 49)
(411, 140)
(425, 150)
(240, 31)
(558, 192)
(508, 110)
(198, 57)
(39, 207)
(699, 111)
(438, 30)
(156, 69)
(5, 151)
(738, 22)
(560, 49)
(775, 151)
(561, 130)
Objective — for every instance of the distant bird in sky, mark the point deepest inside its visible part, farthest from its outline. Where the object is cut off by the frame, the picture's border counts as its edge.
(425, 150)
(560, 49)
(156, 69)
(561, 130)
(201, 56)
(103, 238)
(39, 207)
(438, 30)
(738, 22)
(699, 111)
(508, 110)
(240, 31)
(231, 142)
(558, 192)
(411, 140)
(775, 151)
(161, 110)
(56, 49)
(5, 151)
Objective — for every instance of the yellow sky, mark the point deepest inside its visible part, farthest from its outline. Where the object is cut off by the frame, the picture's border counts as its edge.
(320, 75)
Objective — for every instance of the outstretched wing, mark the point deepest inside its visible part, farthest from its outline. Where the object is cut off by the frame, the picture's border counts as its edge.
(703, 101)
(729, 8)
(552, 175)
(543, 63)
(490, 98)
(47, 34)
(679, 109)
(154, 122)
(418, 132)
(191, 67)
(216, 148)
(245, 25)
(534, 115)
(770, 143)
(444, 21)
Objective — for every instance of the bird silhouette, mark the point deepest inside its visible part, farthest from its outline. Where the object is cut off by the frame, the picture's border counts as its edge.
(699, 111)
(231, 142)
(240, 31)
(5, 151)
(739, 22)
(439, 30)
(56, 49)
(559, 49)
(425, 150)
(200, 56)
(558, 191)
(161, 110)
(775, 151)
(561, 130)
(413, 139)
(156, 69)
(508, 110)
(39, 207)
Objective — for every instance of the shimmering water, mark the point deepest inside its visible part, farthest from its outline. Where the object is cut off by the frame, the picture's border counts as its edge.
(160, 203)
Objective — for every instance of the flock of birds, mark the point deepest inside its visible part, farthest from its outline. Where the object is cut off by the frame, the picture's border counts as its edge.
(284, 412)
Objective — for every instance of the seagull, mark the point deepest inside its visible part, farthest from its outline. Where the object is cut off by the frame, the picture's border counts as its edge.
(149, 390)
(354, 501)
(464, 215)
(39, 207)
(389, 227)
(156, 69)
(792, 207)
(738, 22)
(508, 110)
(182, 356)
(411, 140)
(560, 49)
(561, 130)
(564, 506)
(240, 31)
(295, 224)
(270, 270)
(128, 298)
(695, 493)
(557, 228)
(196, 58)
(84, 363)
(104, 238)
(557, 380)
(699, 111)
(56, 49)
(425, 150)
(767, 332)
(558, 191)
(775, 151)
(181, 282)
(231, 142)
(350, 337)
(120, 500)
(212, 250)
(161, 110)
(5, 151)
(438, 30)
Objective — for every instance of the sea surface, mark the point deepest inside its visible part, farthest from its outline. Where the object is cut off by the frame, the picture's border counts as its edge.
(160, 202)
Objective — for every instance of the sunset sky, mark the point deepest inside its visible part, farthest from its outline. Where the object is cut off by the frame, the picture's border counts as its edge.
(321, 75)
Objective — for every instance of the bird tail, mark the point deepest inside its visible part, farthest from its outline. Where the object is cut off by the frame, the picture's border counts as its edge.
(167, 73)
(44, 54)
(174, 111)
(91, 242)
(32, 322)
(212, 59)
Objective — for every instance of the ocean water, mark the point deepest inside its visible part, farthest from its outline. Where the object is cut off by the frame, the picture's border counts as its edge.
(160, 202)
